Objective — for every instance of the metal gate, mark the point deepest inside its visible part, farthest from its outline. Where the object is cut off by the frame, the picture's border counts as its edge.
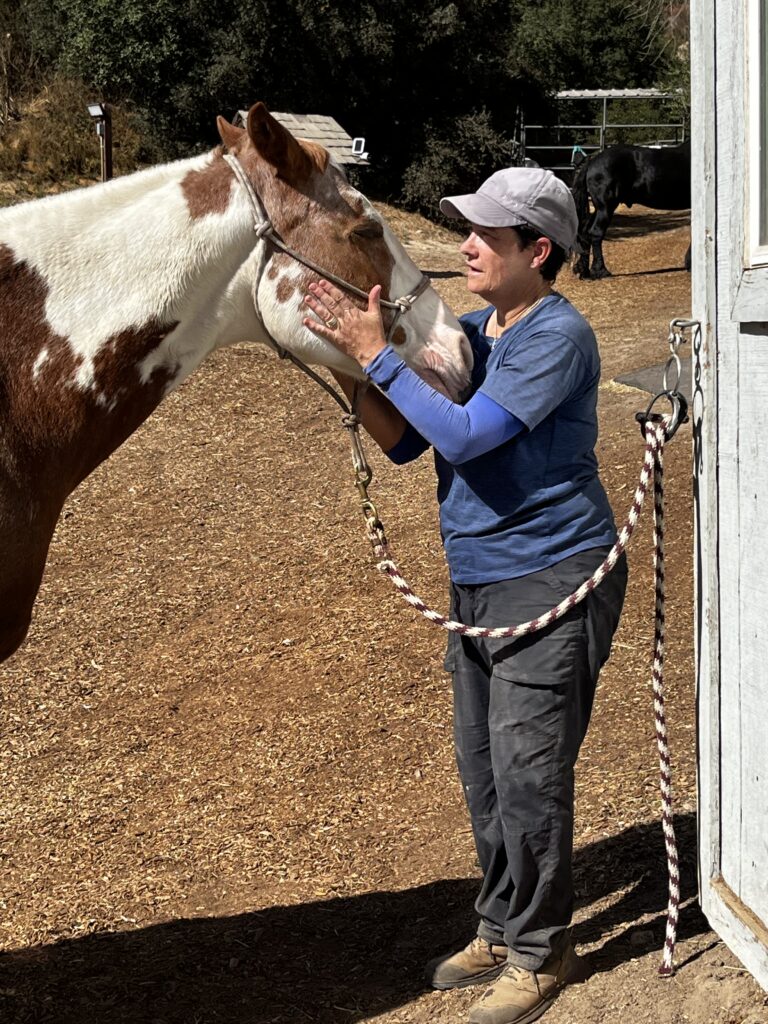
(561, 147)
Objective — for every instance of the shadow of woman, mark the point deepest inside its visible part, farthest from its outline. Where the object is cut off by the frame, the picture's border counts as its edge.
(330, 962)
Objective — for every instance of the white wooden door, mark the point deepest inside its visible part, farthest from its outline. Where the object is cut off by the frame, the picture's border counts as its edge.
(729, 62)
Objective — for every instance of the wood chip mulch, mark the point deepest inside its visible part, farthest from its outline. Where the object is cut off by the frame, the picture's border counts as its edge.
(227, 785)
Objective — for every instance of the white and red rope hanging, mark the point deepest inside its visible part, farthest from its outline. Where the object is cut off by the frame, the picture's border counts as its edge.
(657, 430)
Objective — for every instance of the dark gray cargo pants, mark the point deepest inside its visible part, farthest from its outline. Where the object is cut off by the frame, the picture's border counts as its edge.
(521, 711)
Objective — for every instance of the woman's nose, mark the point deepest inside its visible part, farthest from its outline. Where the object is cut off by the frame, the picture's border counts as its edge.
(468, 245)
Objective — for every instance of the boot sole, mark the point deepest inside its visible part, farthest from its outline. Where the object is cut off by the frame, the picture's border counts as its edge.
(475, 979)
(541, 1008)
(534, 1013)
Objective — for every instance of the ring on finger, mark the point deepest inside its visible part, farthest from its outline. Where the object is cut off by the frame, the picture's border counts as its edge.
(332, 322)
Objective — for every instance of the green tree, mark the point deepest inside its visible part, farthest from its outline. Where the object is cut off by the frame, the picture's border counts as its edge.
(582, 44)
(410, 78)
(454, 161)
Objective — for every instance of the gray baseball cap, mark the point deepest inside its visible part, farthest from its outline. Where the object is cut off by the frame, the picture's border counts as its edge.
(520, 195)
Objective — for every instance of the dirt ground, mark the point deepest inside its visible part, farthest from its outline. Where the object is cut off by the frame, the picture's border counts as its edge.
(227, 786)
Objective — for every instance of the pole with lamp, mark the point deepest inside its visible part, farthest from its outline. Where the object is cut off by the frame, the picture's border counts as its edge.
(103, 120)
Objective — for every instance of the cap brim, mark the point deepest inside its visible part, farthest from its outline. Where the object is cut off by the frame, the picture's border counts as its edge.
(479, 209)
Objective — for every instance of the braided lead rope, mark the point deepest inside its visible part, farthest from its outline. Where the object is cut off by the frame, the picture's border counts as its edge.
(653, 465)
(655, 436)
(665, 768)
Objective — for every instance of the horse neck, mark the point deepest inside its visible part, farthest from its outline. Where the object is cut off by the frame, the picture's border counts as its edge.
(132, 250)
(110, 296)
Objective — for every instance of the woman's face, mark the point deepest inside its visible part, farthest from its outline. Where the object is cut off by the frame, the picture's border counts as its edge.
(497, 263)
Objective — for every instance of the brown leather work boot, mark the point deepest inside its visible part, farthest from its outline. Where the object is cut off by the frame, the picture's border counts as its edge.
(519, 996)
(476, 963)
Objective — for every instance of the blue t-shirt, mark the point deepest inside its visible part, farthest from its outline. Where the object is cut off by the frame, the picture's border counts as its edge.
(536, 499)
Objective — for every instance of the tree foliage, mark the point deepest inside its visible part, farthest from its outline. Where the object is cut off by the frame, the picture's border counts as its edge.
(582, 44)
(431, 85)
(455, 160)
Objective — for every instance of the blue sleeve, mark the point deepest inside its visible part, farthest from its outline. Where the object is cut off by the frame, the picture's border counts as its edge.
(410, 446)
(458, 432)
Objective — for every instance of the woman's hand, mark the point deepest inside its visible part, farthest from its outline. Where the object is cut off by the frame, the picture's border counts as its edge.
(357, 332)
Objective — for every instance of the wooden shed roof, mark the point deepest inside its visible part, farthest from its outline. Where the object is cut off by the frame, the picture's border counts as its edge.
(318, 128)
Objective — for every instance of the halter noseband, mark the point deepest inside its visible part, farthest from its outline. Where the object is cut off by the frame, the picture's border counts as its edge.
(265, 231)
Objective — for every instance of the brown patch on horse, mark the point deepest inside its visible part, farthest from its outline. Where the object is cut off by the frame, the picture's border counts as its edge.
(52, 432)
(319, 221)
(116, 377)
(208, 190)
(312, 208)
(399, 337)
(292, 178)
(286, 287)
(51, 425)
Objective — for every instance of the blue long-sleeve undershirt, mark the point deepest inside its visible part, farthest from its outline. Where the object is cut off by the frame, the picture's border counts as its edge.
(458, 432)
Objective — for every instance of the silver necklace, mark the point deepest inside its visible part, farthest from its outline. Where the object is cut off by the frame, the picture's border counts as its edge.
(499, 331)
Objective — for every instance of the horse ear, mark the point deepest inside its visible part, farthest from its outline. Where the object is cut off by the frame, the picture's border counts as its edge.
(277, 146)
(229, 134)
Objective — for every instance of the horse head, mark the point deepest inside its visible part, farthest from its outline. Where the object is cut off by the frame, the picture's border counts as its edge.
(316, 212)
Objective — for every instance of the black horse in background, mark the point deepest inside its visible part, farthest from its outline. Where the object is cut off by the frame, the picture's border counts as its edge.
(655, 177)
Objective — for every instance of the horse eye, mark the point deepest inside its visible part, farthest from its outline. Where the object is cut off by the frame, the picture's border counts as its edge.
(370, 229)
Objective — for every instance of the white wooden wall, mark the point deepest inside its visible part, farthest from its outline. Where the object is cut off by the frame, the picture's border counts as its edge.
(731, 436)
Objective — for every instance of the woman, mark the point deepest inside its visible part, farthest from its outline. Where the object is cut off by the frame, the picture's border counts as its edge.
(525, 521)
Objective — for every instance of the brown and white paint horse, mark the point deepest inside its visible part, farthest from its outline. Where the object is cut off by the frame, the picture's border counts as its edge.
(111, 295)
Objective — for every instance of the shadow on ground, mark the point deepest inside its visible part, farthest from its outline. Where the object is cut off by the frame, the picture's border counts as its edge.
(633, 225)
(648, 273)
(331, 962)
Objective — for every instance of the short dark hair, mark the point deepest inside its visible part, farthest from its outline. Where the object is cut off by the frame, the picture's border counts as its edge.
(557, 257)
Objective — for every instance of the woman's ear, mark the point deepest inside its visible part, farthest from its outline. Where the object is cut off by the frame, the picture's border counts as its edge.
(542, 247)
